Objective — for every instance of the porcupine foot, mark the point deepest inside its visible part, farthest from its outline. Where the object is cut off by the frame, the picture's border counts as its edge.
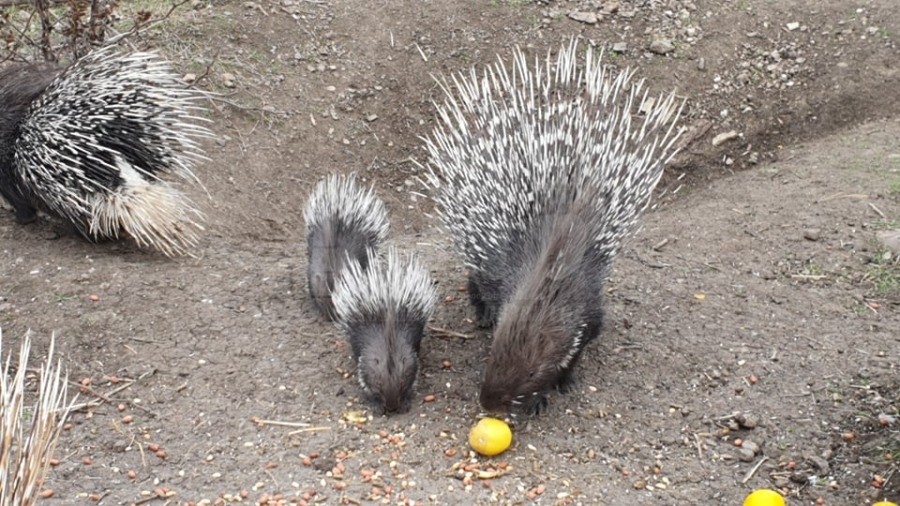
(487, 308)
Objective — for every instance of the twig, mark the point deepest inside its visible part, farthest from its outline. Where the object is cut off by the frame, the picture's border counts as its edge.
(753, 471)
(425, 58)
(260, 421)
(441, 332)
(811, 277)
(883, 217)
(308, 429)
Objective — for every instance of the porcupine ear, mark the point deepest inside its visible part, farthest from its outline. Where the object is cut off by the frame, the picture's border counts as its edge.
(97, 142)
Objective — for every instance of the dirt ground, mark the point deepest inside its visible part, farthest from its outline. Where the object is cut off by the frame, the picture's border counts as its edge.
(755, 304)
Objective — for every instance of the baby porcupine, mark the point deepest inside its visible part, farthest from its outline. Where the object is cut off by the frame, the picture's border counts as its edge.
(342, 220)
(541, 171)
(383, 310)
(90, 144)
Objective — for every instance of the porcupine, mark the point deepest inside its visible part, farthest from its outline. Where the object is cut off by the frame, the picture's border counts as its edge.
(90, 144)
(383, 310)
(343, 220)
(540, 174)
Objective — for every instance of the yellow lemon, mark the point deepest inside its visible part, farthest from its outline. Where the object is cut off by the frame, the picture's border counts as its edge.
(885, 503)
(764, 497)
(490, 437)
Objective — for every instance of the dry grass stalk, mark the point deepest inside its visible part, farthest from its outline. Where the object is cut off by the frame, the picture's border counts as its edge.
(28, 434)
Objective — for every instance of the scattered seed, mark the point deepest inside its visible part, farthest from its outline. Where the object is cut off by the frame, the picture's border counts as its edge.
(161, 454)
(153, 447)
(120, 407)
(53, 462)
(306, 461)
(738, 442)
(47, 493)
(86, 461)
(94, 298)
(429, 398)
(132, 475)
(849, 436)
(67, 426)
(446, 364)
(451, 452)
(127, 419)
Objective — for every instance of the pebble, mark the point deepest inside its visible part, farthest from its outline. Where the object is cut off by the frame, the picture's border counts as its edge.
(620, 47)
(228, 80)
(812, 234)
(584, 17)
(661, 46)
(724, 137)
(751, 447)
(745, 455)
(747, 421)
(701, 64)
(793, 26)
(890, 239)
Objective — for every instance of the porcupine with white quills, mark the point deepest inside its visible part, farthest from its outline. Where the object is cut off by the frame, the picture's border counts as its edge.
(91, 143)
(343, 221)
(540, 173)
(383, 309)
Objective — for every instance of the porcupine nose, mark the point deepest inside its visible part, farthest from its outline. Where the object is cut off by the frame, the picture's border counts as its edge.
(494, 401)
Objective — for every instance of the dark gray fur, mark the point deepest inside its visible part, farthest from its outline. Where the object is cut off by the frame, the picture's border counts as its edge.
(20, 86)
(386, 349)
(328, 247)
(548, 311)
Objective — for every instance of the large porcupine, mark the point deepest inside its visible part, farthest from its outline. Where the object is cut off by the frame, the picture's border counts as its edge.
(541, 173)
(383, 310)
(343, 221)
(90, 143)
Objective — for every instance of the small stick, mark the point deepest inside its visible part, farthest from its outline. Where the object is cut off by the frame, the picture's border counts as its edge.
(658, 246)
(425, 58)
(753, 471)
(308, 429)
(883, 217)
(811, 277)
(449, 333)
(278, 423)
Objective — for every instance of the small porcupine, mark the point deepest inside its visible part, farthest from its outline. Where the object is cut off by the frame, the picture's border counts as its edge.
(383, 310)
(90, 143)
(541, 172)
(342, 220)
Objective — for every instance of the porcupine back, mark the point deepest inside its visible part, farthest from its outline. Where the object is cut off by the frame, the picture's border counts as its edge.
(383, 309)
(95, 144)
(343, 220)
(508, 159)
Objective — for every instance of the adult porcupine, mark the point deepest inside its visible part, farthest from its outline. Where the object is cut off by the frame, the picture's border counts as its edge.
(342, 219)
(383, 310)
(541, 173)
(91, 142)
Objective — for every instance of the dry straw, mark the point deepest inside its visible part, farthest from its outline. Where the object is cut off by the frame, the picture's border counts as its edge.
(28, 433)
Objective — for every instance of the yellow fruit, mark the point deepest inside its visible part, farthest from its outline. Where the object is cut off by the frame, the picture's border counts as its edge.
(885, 503)
(764, 497)
(490, 437)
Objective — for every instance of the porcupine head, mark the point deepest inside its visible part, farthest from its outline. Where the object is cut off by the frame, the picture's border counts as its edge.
(553, 313)
(388, 362)
(383, 310)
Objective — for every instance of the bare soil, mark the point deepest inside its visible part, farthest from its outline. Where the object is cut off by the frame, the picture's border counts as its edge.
(756, 303)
